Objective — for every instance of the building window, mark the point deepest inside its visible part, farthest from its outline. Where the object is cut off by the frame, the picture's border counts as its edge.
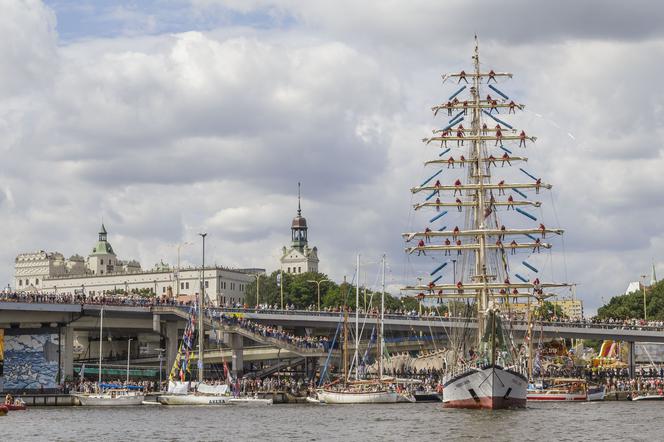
(182, 286)
(207, 284)
(20, 282)
(37, 281)
(163, 289)
(186, 285)
(288, 271)
(27, 282)
(299, 270)
(101, 272)
(102, 261)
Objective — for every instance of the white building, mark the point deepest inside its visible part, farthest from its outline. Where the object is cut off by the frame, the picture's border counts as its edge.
(299, 258)
(103, 273)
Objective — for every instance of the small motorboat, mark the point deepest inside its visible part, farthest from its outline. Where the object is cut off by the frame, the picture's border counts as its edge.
(15, 406)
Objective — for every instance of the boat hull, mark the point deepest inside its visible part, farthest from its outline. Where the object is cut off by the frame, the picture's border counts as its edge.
(3, 410)
(650, 397)
(105, 401)
(250, 401)
(491, 387)
(544, 396)
(192, 399)
(14, 407)
(343, 397)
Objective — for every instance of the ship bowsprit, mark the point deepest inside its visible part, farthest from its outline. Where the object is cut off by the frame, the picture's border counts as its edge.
(490, 387)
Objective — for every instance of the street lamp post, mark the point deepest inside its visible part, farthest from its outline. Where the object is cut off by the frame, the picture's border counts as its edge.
(182, 244)
(258, 278)
(201, 314)
(128, 355)
(643, 285)
(318, 283)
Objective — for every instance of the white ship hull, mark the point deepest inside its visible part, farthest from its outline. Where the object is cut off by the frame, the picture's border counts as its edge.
(491, 387)
(370, 397)
(103, 400)
(250, 401)
(193, 399)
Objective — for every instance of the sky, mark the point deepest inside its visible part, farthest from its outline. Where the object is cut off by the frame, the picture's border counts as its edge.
(165, 118)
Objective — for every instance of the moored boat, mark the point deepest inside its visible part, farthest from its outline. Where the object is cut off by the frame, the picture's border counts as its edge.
(565, 390)
(490, 387)
(111, 398)
(347, 396)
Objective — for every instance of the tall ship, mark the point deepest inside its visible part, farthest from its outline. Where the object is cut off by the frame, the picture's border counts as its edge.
(477, 146)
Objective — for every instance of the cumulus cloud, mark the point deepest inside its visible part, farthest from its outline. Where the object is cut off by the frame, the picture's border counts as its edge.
(167, 126)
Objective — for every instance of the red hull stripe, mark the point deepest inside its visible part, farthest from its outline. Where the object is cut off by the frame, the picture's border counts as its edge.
(492, 403)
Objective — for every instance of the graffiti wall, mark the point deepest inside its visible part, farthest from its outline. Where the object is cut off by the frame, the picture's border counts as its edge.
(30, 361)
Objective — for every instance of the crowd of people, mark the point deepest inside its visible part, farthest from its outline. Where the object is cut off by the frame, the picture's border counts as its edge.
(304, 342)
(79, 385)
(427, 313)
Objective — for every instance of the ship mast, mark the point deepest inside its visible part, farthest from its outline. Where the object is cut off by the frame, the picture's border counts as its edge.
(476, 172)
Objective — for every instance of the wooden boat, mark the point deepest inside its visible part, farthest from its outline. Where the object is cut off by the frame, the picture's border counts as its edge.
(564, 390)
(349, 396)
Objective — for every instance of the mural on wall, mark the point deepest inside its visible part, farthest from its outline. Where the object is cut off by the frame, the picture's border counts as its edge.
(2, 351)
(30, 361)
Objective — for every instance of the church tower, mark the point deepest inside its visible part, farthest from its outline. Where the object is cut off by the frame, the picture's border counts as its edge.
(102, 260)
(299, 258)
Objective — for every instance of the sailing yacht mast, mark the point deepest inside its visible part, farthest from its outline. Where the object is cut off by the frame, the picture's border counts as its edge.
(356, 357)
(382, 322)
(101, 338)
(201, 330)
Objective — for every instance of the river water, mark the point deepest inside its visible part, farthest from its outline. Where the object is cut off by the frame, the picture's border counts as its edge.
(636, 421)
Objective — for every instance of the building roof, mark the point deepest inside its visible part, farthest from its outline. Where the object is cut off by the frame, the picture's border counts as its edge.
(102, 248)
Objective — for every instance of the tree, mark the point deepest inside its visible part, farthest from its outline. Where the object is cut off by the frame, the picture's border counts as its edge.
(630, 306)
(548, 310)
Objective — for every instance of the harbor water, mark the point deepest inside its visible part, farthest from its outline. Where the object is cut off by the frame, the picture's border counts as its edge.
(633, 421)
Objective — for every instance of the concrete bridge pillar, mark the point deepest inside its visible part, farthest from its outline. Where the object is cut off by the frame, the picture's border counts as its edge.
(631, 359)
(237, 355)
(171, 332)
(67, 352)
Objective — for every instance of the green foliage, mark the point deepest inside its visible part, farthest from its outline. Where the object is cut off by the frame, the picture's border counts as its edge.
(302, 293)
(548, 311)
(630, 306)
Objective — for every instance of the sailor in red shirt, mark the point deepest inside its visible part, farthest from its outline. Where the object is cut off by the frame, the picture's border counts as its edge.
(420, 251)
(522, 139)
(502, 233)
(455, 232)
(458, 243)
(492, 160)
(449, 108)
(510, 202)
(462, 161)
(450, 162)
(458, 202)
(460, 135)
(538, 183)
(537, 245)
(499, 136)
(437, 186)
(465, 107)
(512, 107)
(505, 158)
(543, 230)
(501, 190)
(437, 204)
(427, 237)
(494, 106)
(462, 76)
(513, 245)
(457, 185)
(447, 243)
(492, 76)
(485, 129)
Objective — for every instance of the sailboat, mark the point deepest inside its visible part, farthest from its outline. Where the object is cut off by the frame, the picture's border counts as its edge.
(360, 391)
(186, 392)
(490, 374)
(111, 395)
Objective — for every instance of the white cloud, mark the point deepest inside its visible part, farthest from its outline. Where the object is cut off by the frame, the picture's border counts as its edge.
(170, 134)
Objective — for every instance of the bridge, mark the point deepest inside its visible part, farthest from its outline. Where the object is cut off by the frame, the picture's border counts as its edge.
(161, 325)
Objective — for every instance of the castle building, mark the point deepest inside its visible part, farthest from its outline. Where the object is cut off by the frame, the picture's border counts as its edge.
(103, 273)
(299, 258)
